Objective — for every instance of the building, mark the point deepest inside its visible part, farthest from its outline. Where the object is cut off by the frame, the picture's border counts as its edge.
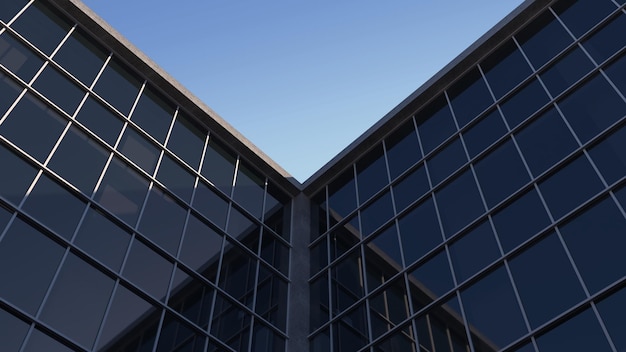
(486, 212)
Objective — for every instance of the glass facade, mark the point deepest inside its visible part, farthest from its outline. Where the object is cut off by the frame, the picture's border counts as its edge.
(490, 217)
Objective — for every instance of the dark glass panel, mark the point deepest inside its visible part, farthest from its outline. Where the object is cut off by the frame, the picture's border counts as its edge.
(178, 336)
(38, 341)
(210, 204)
(403, 149)
(82, 56)
(545, 141)
(410, 188)
(376, 214)
(191, 298)
(566, 71)
(611, 311)
(154, 113)
(277, 211)
(617, 73)
(249, 189)
(165, 233)
(520, 220)
(148, 270)
(243, 228)
(492, 311)
(581, 333)
(9, 90)
(319, 221)
(139, 150)
(18, 127)
(346, 282)
(545, 280)
(42, 25)
(201, 248)
(320, 342)
(103, 239)
(592, 108)
(275, 252)
(342, 238)
(130, 325)
(581, 15)
(13, 330)
(79, 159)
(342, 196)
(176, 178)
(544, 29)
(271, 298)
(610, 156)
(238, 273)
(350, 332)
(431, 279)
(54, 206)
(501, 173)
(570, 186)
(231, 324)
(488, 130)
(10, 8)
(446, 161)
(78, 300)
(604, 43)
(5, 216)
(382, 257)
(472, 252)
(389, 308)
(371, 173)
(59, 89)
(419, 231)
(122, 191)
(319, 306)
(401, 340)
(28, 261)
(118, 85)
(505, 68)
(595, 240)
(469, 96)
(16, 176)
(264, 339)
(187, 140)
(459, 203)
(319, 256)
(17, 57)
(524, 103)
(100, 120)
(219, 166)
(441, 329)
(435, 124)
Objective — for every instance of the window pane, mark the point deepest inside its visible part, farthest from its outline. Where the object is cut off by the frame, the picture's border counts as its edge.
(13, 331)
(474, 251)
(389, 308)
(570, 186)
(201, 248)
(54, 206)
(566, 71)
(38, 341)
(118, 85)
(275, 252)
(238, 274)
(166, 234)
(277, 210)
(148, 270)
(265, 339)
(592, 108)
(611, 313)
(488, 130)
(192, 298)
(81, 56)
(492, 310)
(610, 156)
(604, 43)
(435, 124)
(9, 90)
(42, 26)
(342, 195)
(581, 333)
(211, 205)
(231, 324)
(103, 239)
(100, 120)
(18, 127)
(617, 74)
(419, 231)
(371, 173)
(154, 114)
(79, 159)
(350, 332)
(59, 89)
(545, 141)
(347, 282)
(403, 149)
(24, 279)
(187, 140)
(524, 103)
(410, 188)
(10, 8)
(78, 300)
(178, 336)
(17, 57)
(446, 161)
(271, 298)
(249, 189)
(376, 214)
(505, 68)
(344, 237)
(544, 29)
(122, 191)
(469, 97)
(16, 177)
(545, 280)
(382, 257)
(581, 15)
(139, 150)
(520, 220)
(501, 173)
(433, 278)
(219, 166)
(459, 203)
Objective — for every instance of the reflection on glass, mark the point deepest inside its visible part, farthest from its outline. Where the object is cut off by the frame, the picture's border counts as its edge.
(442, 328)
(164, 233)
(201, 248)
(17, 57)
(148, 270)
(382, 257)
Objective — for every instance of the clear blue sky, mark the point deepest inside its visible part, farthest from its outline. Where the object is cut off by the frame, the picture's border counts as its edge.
(302, 79)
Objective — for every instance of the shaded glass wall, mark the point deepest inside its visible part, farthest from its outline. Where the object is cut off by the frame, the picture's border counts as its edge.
(493, 219)
(125, 225)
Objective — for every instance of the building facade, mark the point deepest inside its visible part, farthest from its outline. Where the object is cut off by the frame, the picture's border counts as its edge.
(486, 212)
